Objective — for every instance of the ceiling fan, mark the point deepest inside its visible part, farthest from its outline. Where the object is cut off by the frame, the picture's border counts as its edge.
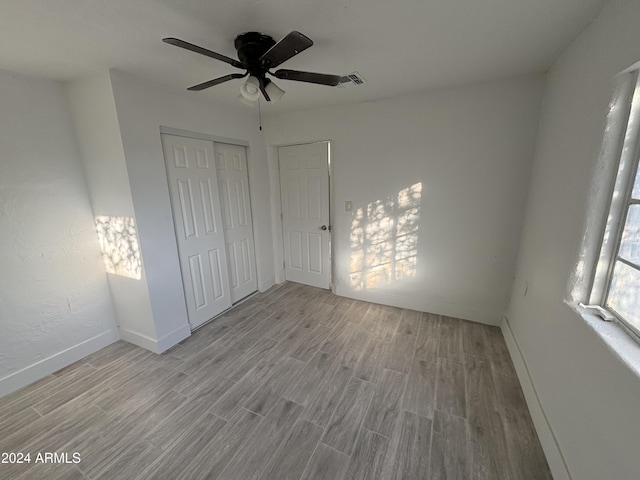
(257, 55)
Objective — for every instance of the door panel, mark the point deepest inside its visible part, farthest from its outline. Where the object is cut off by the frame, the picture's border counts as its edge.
(209, 193)
(233, 178)
(315, 252)
(196, 210)
(197, 280)
(304, 184)
(215, 264)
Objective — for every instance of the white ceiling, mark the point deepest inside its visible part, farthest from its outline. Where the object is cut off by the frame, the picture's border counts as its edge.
(399, 46)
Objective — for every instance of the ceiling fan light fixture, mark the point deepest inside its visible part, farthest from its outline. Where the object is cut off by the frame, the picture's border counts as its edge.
(250, 89)
(248, 103)
(274, 91)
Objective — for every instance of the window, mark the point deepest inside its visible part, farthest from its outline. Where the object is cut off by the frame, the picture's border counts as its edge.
(615, 284)
(623, 293)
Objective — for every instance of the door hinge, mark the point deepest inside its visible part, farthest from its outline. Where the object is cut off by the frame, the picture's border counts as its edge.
(281, 217)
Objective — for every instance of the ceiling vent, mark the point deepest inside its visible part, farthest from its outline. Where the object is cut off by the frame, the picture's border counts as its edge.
(352, 79)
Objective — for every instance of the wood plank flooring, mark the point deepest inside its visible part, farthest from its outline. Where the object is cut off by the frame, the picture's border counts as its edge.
(294, 384)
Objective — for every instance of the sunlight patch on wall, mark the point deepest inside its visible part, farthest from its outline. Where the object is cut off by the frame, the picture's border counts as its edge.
(384, 239)
(119, 244)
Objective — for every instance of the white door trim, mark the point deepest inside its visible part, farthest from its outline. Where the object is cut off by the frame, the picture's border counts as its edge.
(202, 136)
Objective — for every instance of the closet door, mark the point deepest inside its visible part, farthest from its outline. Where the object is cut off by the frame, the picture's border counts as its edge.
(233, 178)
(193, 187)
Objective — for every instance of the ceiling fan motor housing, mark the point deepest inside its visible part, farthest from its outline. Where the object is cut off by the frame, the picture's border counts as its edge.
(251, 46)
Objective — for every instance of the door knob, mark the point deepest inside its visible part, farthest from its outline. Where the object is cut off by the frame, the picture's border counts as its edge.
(323, 227)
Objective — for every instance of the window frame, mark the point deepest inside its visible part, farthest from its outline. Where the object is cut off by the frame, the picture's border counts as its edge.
(618, 258)
(620, 202)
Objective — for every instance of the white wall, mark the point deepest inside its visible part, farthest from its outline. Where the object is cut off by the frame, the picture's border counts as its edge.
(471, 149)
(142, 107)
(55, 305)
(588, 395)
(98, 133)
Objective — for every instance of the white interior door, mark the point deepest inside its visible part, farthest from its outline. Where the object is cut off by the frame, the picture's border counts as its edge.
(304, 185)
(193, 187)
(233, 178)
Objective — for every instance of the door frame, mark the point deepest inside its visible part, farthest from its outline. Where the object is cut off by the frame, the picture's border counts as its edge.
(215, 139)
(331, 209)
(204, 136)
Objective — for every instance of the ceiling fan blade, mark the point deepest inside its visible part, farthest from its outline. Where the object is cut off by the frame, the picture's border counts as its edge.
(202, 51)
(292, 44)
(309, 77)
(216, 81)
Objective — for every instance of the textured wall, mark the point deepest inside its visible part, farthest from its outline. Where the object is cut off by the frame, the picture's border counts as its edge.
(142, 108)
(589, 396)
(464, 157)
(53, 289)
(96, 122)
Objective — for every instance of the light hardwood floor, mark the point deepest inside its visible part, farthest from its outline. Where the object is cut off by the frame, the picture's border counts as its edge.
(293, 384)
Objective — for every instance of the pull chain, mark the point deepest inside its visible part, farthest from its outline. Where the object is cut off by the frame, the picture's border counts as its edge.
(259, 114)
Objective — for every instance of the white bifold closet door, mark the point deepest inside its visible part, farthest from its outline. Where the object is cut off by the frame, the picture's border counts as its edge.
(233, 178)
(196, 203)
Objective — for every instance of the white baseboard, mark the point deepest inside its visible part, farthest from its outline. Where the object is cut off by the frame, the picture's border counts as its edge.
(156, 346)
(545, 433)
(168, 341)
(420, 304)
(55, 362)
(279, 277)
(138, 339)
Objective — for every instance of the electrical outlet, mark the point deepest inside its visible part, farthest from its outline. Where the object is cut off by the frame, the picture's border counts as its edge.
(348, 206)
